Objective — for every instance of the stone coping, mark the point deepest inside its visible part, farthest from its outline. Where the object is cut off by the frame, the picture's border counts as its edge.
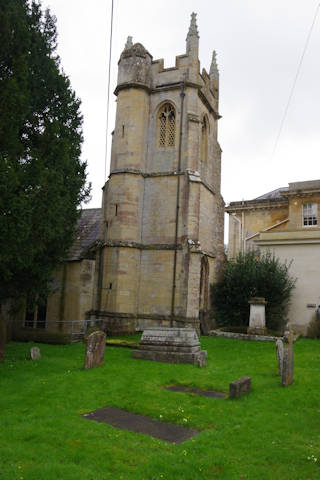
(243, 336)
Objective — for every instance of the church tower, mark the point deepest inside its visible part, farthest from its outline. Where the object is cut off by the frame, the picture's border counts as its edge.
(162, 242)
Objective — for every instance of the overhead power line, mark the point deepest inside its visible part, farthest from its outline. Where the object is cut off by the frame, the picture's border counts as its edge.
(108, 94)
(295, 80)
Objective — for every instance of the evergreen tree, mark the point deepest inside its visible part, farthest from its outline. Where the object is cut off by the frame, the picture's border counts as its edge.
(42, 180)
(251, 276)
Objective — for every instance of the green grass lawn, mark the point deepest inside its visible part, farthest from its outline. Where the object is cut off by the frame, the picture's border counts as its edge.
(268, 434)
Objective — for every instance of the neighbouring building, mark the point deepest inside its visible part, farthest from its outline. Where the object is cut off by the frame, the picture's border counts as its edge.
(285, 222)
(158, 242)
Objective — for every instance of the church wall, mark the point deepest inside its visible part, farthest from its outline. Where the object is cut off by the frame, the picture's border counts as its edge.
(67, 304)
(124, 198)
(159, 213)
(129, 138)
(156, 270)
(162, 159)
(207, 220)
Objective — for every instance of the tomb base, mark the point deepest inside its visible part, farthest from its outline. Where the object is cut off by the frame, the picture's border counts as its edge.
(257, 331)
(170, 345)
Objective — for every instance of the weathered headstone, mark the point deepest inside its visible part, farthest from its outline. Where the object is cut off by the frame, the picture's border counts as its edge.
(171, 345)
(279, 350)
(202, 358)
(95, 350)
(35, 353)
(257, 320)
(288, 359)
(239, 387)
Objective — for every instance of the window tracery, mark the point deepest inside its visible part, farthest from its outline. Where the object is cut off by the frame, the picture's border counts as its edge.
(167, 126)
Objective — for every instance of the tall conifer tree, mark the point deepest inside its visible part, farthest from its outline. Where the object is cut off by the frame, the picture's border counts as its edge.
(42, 180)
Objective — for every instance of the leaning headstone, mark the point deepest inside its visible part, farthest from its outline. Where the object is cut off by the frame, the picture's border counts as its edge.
(279, 350)
(239, 387)
(35, 353)
(288, 359)
(95, 350)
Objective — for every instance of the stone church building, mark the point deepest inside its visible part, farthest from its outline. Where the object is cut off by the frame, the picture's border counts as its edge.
(147, 258)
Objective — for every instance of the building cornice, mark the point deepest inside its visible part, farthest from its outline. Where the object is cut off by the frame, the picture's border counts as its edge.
(255, 204)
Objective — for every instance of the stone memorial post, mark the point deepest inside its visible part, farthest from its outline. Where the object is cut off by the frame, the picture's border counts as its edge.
(279, 350)
(257, 320)
(95, 349)
(288, 359)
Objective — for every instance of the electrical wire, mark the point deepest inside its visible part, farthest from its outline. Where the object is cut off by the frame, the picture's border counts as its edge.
(108, 94)
(295, 82)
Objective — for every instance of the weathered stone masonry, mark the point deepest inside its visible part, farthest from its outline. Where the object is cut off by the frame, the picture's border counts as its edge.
(162, 241)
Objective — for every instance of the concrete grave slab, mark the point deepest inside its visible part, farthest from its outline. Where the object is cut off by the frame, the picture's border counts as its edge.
(118, 418)
(196, 391)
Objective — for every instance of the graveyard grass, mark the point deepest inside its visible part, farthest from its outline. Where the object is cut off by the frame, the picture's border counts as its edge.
(271, 433)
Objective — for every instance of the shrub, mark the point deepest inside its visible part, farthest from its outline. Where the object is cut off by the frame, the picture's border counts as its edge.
(248, 276)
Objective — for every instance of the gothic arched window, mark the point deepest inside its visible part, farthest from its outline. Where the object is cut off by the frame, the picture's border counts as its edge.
(166, 126)
(204, 140)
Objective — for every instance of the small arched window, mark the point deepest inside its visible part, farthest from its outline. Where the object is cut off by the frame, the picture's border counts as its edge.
(204, 140)
(166, 126)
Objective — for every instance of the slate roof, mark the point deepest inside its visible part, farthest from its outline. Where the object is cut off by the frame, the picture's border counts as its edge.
(272, 195)
(87, 233)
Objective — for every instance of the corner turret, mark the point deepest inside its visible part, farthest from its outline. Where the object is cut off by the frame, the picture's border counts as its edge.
(134, 64)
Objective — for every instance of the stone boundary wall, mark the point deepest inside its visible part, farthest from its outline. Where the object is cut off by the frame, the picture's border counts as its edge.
(243, 336)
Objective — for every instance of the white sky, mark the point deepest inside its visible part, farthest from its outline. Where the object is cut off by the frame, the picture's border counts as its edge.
(259, 44)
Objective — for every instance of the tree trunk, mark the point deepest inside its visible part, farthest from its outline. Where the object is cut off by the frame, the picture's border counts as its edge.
(3, 335)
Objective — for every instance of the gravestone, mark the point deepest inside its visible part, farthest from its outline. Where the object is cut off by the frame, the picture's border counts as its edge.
(202, 358)
(35, 353)
(95, 349)
(239, 387)
(171, 345)
(257, 320)
(288, 359)
(279, 350)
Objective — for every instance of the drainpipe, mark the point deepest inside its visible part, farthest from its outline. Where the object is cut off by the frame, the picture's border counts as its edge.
(182, 95)
(242, 233)
(240, 230)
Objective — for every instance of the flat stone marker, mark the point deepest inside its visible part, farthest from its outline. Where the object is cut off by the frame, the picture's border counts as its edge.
(197, 391)
(279, 350)
(240, 387)
(95, 349)
(288, 359)
(116, 417)
(35, 353)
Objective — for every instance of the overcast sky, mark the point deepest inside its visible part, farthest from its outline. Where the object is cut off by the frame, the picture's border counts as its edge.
(259, 44)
